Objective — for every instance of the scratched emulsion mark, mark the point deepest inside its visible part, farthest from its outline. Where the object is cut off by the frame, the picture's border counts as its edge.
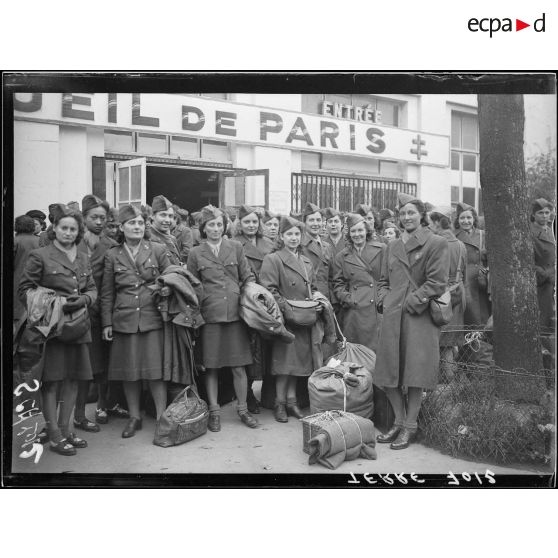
(26, 410)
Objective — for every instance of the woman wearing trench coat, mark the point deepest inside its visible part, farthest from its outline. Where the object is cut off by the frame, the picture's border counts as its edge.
(62, 268)
(287, 274)
(478, 308)
(355, 274)
(408, 350)
(249, 232)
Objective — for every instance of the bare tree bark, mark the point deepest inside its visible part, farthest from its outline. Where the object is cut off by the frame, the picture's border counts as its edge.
(510, 249)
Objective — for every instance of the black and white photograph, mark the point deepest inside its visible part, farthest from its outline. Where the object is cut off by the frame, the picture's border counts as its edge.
(279, 279)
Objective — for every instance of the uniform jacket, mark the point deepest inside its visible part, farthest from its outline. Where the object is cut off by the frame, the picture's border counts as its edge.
(50, 268)
(321, 257)
(184, 240)
(23, 244)
(478, 307)
(255, 254)
(408, 348)
(44, 240)
(545, 260)
(336, 248)
(97, 262)
(222, 278)
(355, 286)
(170, 243)
(126, 301)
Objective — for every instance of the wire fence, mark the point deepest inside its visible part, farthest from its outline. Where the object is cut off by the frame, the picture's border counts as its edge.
(481, 412)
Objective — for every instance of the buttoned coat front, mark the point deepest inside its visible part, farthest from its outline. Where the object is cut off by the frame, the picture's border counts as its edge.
(321, 258)
(355, 286)
(478, 307)
(170, 243)
(408, 349)
(255, 253)
(545, 260)
(288, 277)
(222, 277)
(49, 267)
(184, 240)
(126, 301)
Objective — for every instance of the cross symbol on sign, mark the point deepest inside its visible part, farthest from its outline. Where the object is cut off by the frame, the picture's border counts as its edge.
(418, 151)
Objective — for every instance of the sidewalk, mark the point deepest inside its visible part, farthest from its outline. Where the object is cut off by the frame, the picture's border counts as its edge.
(272, 448)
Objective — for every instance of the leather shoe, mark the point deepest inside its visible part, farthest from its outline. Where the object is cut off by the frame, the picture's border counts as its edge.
(294, 411)
(248, 419)
(131, 427)
(389, 436)
(280, 412)
(253, 405)
(214, 422)
(405, 437)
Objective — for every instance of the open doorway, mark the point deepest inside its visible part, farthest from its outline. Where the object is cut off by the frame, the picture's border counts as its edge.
(190, 189)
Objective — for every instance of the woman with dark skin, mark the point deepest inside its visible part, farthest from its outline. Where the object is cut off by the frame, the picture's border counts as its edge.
(415, 269)
(130, 318)
(62, 268)
(222, 267)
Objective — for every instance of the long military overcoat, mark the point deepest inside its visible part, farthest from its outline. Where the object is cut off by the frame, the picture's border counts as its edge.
(320, 256)
(408, 349)
(355, 286)
(478, 308)
(287, 276)
(255, 253)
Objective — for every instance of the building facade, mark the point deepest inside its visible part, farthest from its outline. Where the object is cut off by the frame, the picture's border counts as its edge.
(274, 151)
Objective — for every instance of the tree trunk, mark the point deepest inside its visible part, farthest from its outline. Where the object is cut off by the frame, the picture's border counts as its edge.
(510, 249)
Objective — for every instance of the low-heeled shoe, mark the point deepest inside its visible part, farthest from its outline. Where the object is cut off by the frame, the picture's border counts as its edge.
(294, 411)
(248, 419)
(389, 436)
(214, 422)
(280, 413)
(404, 438)
(132, 425)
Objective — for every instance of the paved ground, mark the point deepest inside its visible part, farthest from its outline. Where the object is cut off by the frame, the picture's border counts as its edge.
(270, 449)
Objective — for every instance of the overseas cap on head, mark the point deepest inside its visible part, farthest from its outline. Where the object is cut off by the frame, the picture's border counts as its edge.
(90, 202)
(160, 203)
(74, 205)
(112, 214)
(428, 206)
(127, 212)
(537, 205)
(60, 210)
(462, 206)
(386, 213)
(442, 210)
(288, 223)
(246, 210)
(210, 212)
(267, 215)
(362, 209)
(330, 213)
(404, 199)
(309, 208)
(53, 208)
(36, 214)
(354, 219)
(183, 213)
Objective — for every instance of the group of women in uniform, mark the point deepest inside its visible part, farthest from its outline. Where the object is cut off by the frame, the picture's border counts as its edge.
(378, 271)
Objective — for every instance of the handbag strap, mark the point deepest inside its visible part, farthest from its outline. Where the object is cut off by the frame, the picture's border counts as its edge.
(307, 280)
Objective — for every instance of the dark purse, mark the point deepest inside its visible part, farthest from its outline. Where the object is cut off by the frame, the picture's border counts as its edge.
(302, 313)
(75, 325)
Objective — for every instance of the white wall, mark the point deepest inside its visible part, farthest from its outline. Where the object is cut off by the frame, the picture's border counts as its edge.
(36, 168)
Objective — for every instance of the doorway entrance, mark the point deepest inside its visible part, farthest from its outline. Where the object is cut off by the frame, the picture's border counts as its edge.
(190, 189)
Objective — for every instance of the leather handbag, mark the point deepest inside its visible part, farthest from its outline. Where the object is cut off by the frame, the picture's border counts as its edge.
(184, 419)
(76, 324)
(440, 307)
(302, 313)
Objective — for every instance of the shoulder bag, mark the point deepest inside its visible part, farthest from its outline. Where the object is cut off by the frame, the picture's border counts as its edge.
(302, 313)
(440, 307)
(75, 324)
